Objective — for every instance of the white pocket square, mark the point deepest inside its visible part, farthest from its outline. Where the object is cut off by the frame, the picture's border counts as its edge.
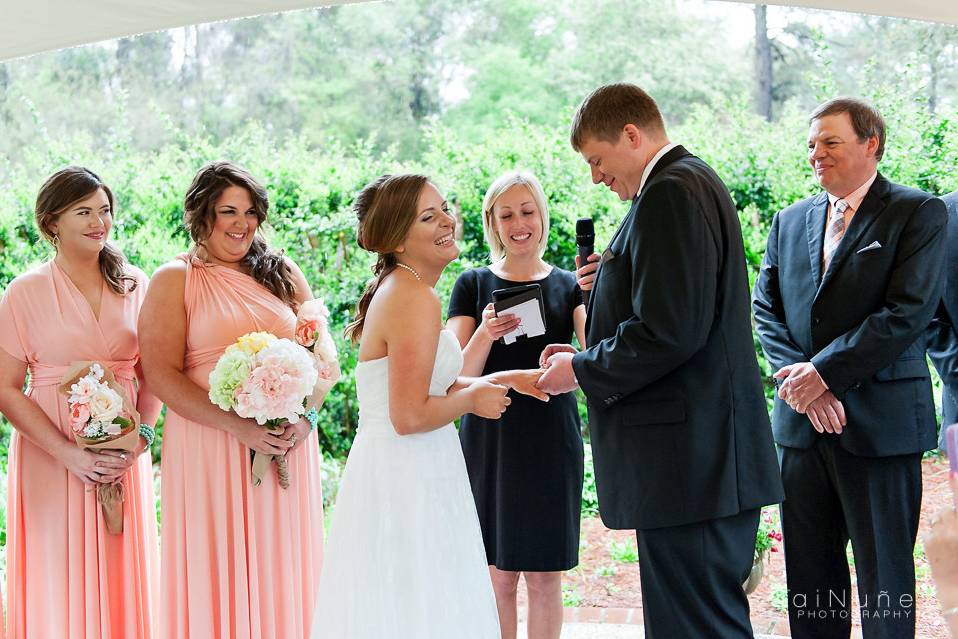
(871, 247)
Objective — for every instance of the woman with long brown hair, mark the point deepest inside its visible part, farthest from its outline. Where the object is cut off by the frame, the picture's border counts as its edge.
(67, 576)
(405, 551)
(238, 560)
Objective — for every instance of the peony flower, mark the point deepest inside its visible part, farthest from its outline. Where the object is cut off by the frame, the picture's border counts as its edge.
(79, 416)
(105, 405)
(325, 350)
(314, 311)
(83, 389)
(278, 384)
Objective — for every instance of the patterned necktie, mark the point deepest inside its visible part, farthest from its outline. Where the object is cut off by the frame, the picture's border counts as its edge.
(834, 231)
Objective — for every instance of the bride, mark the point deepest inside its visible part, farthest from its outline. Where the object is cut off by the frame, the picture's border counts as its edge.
(405, 558)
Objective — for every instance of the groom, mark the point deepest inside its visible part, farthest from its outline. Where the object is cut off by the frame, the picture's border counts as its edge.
(680, 433)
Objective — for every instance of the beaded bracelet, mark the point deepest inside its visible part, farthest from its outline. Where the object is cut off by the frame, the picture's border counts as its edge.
(312, 416)
(147, 433)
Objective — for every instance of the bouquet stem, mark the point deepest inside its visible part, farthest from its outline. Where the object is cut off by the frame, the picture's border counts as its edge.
(261, 464)
(111, 503)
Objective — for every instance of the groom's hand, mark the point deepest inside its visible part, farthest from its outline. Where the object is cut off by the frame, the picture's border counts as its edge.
(585, 273)
(559, 377)
(551, 350)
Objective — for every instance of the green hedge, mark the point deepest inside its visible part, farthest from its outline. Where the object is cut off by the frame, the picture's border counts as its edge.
(311, 189)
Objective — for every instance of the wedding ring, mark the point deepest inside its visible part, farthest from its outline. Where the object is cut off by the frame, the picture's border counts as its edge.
(123, 456)
(292, 440)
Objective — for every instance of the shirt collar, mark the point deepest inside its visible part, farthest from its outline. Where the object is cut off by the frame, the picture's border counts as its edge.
(854, 198)
(651, 165)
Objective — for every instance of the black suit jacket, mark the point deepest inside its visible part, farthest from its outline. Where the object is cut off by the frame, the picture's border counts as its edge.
(943, 333)
(861, 324)
(678, 420)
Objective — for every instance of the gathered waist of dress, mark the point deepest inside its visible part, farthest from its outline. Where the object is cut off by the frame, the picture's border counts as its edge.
(49, 375)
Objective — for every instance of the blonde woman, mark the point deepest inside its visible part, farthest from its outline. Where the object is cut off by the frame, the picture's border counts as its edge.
(526, 467)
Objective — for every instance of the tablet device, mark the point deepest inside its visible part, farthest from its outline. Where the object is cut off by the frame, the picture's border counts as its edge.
(525, 302)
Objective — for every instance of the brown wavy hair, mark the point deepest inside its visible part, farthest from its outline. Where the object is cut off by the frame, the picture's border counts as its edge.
(386, 209)
(265, 265)
(62, 190)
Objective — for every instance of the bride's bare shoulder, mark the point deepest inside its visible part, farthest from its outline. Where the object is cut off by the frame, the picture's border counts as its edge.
(398, 295)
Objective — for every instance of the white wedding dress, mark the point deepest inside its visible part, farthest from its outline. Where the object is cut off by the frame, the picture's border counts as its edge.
(404, 558)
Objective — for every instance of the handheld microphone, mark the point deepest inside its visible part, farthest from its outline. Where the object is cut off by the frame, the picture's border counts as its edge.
(585, 241)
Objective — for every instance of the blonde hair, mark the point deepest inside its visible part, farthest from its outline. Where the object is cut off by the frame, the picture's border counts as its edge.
(503, 183)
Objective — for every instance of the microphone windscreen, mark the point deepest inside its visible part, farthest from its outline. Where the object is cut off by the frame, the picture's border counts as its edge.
(584, 226)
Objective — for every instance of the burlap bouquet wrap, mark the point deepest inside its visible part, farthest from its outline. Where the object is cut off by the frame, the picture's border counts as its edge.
(109, 496)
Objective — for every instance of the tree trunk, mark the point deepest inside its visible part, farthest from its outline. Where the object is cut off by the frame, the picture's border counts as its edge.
(763, 65)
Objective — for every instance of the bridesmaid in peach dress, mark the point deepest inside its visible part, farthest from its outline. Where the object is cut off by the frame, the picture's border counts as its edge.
(238, 561)
(67, 577)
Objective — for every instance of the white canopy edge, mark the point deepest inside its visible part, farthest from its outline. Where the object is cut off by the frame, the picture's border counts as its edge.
(32, 26)
(944, 11)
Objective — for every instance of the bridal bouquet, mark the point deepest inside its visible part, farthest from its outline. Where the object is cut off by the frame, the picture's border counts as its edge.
(102, 416)
(312, 333)
(268, 379)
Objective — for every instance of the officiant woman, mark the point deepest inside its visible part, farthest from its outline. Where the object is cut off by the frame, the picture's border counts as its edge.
(525, 468)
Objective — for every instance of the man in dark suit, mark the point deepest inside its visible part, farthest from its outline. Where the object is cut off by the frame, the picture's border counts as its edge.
(680, 434)
(849, 282)
(943, 332)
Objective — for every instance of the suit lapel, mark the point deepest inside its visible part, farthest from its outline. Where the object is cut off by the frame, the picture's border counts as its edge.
(675, 154)
(618, 231)
(815, 230)
(871, 207)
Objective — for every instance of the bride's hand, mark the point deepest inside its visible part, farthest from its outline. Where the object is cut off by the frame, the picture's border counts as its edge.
(488, 398)
(524, 381)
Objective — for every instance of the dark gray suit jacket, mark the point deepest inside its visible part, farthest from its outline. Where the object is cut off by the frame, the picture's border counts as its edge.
(862, 324)
(943, 333)
(678, 419)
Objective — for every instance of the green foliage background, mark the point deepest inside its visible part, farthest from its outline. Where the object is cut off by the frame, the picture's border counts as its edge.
(311, 189)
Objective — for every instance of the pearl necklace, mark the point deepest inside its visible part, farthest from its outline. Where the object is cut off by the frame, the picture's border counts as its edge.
(410, 269)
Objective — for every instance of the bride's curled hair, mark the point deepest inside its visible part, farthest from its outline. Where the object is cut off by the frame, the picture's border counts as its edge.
(386, 209)
(265, 265)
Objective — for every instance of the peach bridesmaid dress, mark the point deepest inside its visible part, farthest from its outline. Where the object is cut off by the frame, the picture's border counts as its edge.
(66, 576)
(238, 561)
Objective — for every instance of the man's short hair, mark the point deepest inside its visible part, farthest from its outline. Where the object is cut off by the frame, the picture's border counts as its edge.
(606, 111)
(866, 120)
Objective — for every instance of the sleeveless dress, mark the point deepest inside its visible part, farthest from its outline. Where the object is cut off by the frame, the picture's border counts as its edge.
(239, 561)
(67, 577)
(526, 468)
(404, 556)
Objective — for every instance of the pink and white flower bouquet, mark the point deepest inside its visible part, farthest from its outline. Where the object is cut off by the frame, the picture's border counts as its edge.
(102, 416)
(268, 379)
(312, 333)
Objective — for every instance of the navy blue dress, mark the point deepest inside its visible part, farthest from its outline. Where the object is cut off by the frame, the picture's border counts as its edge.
(525, 468)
